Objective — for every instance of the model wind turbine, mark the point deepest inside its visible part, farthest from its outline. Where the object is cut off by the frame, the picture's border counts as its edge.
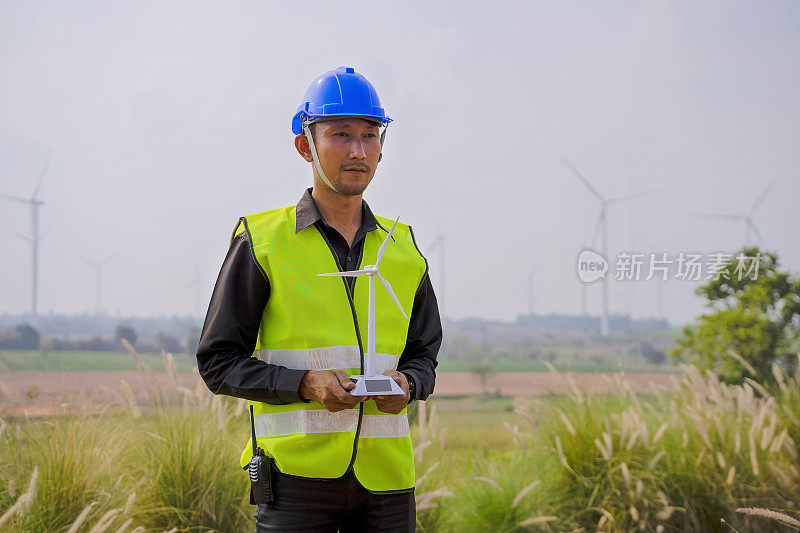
(371, 383)
(602, 228)
(749, 225)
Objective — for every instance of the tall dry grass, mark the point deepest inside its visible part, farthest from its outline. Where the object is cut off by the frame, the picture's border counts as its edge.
(170, 462)
(704, 456)
(689, 459)
(192, 473)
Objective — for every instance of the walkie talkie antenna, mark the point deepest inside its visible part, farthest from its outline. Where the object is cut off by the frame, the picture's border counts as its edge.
(253, 429)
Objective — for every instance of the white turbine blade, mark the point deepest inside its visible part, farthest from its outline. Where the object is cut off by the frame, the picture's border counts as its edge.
(634, 195)
(758, 233)
(41, 176)
(761, 198)
(391, 293)
(349, 273)
(105, 261)
(21, 235)
(195, 282)
(646, 241)
(584, 180)
(434, 244)
(720, 215)
(17, 199)
(385, 243)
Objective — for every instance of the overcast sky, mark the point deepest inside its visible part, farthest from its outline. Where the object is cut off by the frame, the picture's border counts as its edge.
(169, 120)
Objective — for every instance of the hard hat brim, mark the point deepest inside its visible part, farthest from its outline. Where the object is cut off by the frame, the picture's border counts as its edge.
(297, 120)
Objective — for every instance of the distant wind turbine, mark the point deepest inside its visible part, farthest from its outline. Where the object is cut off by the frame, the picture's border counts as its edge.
(197, 283)
(749, 225)
(439, 244)
(98, 272)
(602, 227)
(659, 282)
(532, 298)
(34, 202)
(584, 300)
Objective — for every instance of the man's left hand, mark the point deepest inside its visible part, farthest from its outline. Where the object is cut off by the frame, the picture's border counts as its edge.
(395, 403)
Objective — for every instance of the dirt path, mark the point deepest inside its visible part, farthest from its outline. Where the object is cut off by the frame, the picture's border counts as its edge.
(41, 393)
(539, 383)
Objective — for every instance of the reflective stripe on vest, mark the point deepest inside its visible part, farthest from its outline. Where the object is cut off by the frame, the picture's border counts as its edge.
(322, 421)
(326, 358)
(317, 323)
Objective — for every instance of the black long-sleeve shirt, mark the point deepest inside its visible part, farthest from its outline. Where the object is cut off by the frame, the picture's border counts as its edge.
(240, 296)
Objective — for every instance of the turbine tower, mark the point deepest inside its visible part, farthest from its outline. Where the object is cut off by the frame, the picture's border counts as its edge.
(749, 225)
(602, 227)
(532, 298)
(34, 202)
(197, 283)
(438, 243)
(659, 283)
(584, 299)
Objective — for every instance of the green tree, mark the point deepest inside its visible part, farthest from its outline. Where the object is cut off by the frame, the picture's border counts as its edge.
(127, 333)
(653, 356)
(753, 311)
(167, 342)
(21, 337)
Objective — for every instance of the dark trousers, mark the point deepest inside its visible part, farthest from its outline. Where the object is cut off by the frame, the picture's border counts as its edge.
(332, 505)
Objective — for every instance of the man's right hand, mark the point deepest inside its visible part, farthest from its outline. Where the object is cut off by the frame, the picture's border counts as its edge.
(331, 388)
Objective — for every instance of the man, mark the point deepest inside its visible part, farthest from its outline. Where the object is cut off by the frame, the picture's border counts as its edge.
(341, 462)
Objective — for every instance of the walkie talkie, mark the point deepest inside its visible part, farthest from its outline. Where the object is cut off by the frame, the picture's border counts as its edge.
(259, 469)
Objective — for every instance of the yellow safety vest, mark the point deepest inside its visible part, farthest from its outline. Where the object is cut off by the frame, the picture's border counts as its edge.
(312, 322)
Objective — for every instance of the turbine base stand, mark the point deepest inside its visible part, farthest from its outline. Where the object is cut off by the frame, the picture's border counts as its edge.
(375, 386)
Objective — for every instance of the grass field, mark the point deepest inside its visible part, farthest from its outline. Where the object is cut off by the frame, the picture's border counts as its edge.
(667, 461)
(505, 365)
(706, 457)
(36, 360)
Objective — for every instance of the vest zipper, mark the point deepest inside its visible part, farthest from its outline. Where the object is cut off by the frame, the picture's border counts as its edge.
(350, 297)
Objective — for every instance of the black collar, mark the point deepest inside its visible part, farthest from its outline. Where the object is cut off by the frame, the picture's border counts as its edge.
(307, 214)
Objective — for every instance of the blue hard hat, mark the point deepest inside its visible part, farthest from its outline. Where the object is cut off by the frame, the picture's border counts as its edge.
(339, 93)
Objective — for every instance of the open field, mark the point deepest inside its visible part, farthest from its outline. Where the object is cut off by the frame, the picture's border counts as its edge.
(37, 360)
(666, 461)
(138, 451)
(564, 364)
(36, 382)
(41, 361)
(523, 384)
(40, 392)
